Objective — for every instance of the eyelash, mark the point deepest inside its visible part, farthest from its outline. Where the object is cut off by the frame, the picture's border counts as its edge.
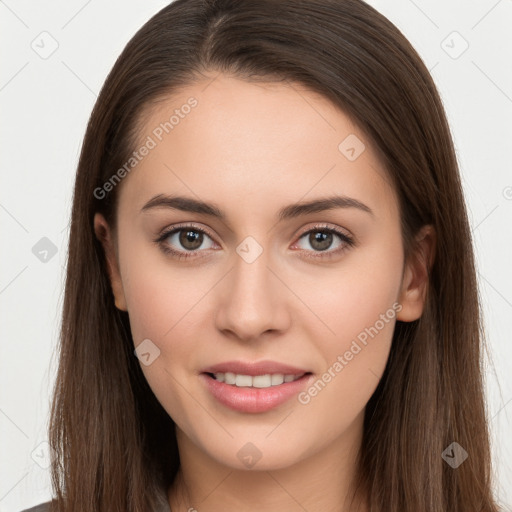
(347, 241)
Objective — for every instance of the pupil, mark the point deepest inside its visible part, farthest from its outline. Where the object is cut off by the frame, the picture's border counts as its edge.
(320, 240)
(191, 239)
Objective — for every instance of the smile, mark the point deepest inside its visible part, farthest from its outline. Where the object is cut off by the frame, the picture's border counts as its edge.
(255, 381)
(254, 393)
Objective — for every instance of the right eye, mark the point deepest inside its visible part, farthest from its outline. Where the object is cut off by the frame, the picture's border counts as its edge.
(183, 241)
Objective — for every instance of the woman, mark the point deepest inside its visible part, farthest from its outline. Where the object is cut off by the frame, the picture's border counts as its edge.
(271, 301)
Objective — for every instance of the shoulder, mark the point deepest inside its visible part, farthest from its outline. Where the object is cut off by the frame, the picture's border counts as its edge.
(45, 507)
(42, 507)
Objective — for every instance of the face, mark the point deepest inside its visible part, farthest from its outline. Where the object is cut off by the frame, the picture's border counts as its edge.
(251, 279)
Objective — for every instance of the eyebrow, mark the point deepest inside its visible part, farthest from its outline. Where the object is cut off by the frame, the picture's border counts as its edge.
(188, 204)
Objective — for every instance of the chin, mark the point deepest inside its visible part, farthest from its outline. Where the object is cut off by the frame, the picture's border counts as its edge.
(256, 453)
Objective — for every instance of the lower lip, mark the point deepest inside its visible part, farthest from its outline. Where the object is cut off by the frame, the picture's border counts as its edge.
(253, 400)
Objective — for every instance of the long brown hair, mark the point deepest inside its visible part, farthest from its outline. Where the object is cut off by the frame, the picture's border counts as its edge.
(115, 444)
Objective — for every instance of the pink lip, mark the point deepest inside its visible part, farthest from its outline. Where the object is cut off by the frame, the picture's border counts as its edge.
(257, 368)
(254, 400)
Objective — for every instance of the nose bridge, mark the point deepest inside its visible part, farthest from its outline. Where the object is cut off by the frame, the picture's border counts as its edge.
(252, 301)
(251, 277)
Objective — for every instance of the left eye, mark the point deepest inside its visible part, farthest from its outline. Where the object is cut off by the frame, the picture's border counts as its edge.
(322, 239)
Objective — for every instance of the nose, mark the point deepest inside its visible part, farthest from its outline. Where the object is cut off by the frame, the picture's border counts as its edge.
(252, 301)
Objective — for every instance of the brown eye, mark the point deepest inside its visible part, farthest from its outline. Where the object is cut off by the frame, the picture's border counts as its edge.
(324, 242)
(190, 239)
(323, 239)
(185, 241)
(320, 240)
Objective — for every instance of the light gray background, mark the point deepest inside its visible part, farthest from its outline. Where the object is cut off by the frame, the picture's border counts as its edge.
(45, 105)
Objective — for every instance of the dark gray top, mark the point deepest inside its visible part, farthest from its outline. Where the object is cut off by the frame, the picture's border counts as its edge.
(163, 506)
(43, 507)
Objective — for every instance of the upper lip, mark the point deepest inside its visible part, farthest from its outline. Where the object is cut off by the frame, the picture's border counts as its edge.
(254, 368)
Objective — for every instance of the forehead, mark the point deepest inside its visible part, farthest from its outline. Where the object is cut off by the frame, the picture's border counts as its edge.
(226, 139)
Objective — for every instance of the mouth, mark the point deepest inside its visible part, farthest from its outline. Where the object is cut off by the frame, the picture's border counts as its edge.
(257, 393)
(263, 381)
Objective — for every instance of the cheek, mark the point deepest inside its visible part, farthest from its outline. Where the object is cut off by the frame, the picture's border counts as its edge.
(160, 295)
(164, 306)
(351, 297)
(358, 307)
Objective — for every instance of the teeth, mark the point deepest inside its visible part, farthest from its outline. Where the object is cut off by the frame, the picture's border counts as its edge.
(258, 381)
(242, 381)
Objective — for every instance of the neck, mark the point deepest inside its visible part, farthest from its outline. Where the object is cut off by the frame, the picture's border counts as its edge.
(320, 482)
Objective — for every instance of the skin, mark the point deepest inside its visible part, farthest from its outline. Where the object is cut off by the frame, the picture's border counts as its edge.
(253, 148)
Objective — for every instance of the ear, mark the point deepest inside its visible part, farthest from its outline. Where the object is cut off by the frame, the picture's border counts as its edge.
(415, 280)
(104, 235)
